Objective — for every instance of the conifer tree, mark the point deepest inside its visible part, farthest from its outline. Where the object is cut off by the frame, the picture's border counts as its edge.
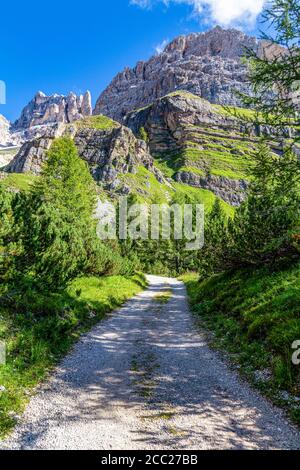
(266, 227)
(7, 245)
(58, 232)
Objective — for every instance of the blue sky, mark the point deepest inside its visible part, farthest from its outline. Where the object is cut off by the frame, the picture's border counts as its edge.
(60, 47)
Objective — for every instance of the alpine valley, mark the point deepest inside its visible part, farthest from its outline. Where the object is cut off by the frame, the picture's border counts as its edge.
(195, 125)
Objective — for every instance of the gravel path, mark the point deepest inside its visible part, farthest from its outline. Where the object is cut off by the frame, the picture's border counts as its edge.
(145, 379)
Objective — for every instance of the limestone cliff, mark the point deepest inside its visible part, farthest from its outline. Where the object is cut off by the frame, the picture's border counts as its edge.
(46, 110)
(201, 144)
(111, 150)
(206, 64)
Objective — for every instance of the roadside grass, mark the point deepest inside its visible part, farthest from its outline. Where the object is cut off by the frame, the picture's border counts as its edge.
(255, 316)
(41, 329)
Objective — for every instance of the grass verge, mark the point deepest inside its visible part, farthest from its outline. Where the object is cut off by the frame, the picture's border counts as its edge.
(42, 330)
(254, 316)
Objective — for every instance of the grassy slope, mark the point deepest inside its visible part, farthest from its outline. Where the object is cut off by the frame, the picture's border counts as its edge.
(143, 184)
(213, 155)
(149, 190)
(213, 150)
(96, 122)
(33, 347)
(18, 181)
(255, 317)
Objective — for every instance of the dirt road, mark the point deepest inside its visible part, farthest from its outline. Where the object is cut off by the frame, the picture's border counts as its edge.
(145, 378)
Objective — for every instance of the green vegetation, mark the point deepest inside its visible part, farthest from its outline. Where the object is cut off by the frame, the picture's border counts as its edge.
(56, 240)
(18, 181)
(145, 187)
(143, 135)
(277, 70)
(192, 169)
(247, 286)
(210, 154)
(96, 122)
(51, 261)
(222, 162)
(41, 328)
(200, 196)
(265, 228)
(254, 314)
(58, 279)
(240, 113)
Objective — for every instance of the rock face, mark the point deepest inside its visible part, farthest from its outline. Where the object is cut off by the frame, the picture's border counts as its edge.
(40, 119)
(206, 64)
(32, 154)
(109, 152)
(47, 110)
(5, 136)
(231, 191)
(192, 141)
(201, 144)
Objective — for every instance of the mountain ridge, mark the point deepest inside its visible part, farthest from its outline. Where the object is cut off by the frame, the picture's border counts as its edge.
(188, 140)
(206, 64)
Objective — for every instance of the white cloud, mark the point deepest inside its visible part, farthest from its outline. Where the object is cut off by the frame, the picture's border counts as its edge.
(160, 47)
(223, 12)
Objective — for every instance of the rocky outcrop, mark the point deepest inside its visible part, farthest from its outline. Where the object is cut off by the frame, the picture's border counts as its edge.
(170, 122)
(207, 64)
(109, 152)
(230, 190)
(8, 138)
(40, 119)
(194, 142)
(32, 154)
(113, 152)
(42, 116)
(46, 110)
(201, 144)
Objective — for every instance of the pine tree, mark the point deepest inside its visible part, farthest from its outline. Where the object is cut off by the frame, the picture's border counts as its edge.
(216, 239)
(7, 242)
(59, 232)
(266, 227)
(275, 70)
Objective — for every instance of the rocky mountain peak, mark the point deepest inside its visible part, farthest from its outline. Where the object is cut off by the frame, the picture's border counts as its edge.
(45, 110)
(228, 43)
(206, 64)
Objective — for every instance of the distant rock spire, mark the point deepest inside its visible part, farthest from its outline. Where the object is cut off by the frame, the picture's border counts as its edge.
(48, 110)
(86, 106)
